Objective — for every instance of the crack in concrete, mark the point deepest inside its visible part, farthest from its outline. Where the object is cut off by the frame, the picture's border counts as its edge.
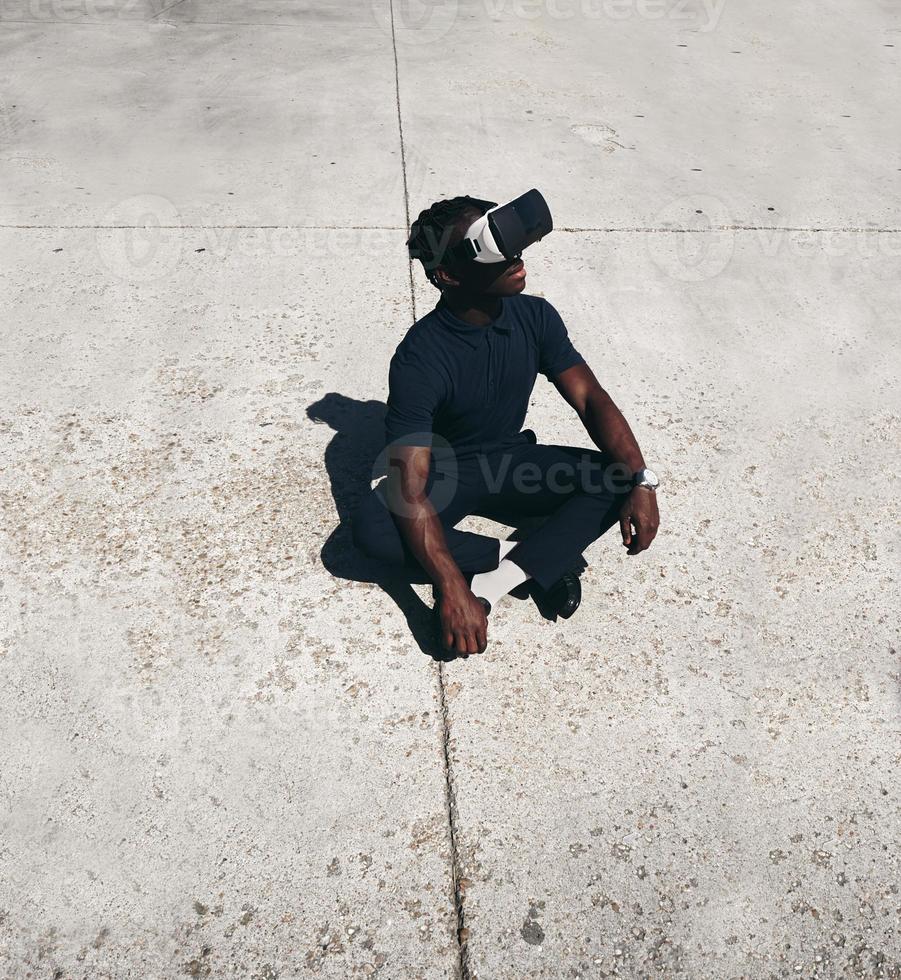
(403, 153)
(452, 815)
(449, 790)
(717, 228)
(712, 229)
(202, 227)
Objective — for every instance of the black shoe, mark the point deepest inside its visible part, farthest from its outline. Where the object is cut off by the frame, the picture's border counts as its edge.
(564, 597)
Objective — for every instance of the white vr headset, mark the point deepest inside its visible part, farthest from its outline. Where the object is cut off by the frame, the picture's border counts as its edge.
(504, 230)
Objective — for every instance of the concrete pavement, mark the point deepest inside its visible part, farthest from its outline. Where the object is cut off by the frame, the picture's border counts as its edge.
(228, 754)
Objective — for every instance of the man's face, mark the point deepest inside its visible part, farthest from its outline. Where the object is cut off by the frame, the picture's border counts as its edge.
(485, 278)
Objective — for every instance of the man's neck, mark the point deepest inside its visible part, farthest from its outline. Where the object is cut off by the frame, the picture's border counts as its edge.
(477, 310)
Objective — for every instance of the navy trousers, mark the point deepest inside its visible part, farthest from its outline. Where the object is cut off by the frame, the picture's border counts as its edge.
(578, 491)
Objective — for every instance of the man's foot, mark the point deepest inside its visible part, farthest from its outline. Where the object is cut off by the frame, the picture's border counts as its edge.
(564, 596)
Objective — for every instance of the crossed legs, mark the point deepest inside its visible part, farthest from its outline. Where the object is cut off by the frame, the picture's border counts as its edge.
(578, 491)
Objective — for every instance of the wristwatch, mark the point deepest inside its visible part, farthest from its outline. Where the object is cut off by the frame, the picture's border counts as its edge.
(645, 478)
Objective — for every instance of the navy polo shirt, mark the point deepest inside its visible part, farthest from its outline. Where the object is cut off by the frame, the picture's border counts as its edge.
(471, 385)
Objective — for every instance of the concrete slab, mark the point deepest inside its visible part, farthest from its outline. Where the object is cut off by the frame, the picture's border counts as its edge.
(224, 753)
(203, 772)
(630, 112)
(693, 775)
(289, 123)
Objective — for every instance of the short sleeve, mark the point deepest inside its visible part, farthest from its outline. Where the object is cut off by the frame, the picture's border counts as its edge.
(556, 351)
(413, 399)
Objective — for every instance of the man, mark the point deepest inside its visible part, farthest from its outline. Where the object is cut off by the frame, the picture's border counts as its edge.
(459, 386)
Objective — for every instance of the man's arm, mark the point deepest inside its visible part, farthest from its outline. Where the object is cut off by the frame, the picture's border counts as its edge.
(463, 620)
(611, 433)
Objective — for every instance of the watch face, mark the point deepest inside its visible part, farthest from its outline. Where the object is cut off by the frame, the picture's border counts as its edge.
(651, 477)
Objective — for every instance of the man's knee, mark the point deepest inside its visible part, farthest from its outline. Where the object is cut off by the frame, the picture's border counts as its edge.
(365, 534)
(603, 480)
(374, 533)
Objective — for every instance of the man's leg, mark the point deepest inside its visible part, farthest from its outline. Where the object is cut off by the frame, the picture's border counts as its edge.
(579, 490)
(376, 534)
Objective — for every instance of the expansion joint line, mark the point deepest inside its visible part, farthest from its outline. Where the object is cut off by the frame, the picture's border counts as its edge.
(458, 882)
(403, 151)
(712, 229)
(449, 792)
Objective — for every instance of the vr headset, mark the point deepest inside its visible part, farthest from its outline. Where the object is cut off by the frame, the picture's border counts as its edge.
(505, 230)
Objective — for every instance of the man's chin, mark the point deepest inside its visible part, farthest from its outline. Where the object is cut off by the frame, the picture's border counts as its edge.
(508, 285)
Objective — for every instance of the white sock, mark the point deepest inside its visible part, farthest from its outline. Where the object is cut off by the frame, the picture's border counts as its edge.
(495, 585)
(505, 548)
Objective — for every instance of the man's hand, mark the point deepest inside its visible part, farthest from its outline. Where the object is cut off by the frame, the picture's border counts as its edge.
(464, 625)
(640, 510)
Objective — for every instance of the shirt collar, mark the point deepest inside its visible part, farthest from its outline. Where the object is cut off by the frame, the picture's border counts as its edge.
(469, 332)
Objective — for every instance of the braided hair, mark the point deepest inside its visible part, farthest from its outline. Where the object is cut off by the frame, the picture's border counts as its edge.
(435, 231)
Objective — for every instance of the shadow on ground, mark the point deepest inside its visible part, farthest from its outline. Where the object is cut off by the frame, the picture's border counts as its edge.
(350, 460)
(352, 463)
